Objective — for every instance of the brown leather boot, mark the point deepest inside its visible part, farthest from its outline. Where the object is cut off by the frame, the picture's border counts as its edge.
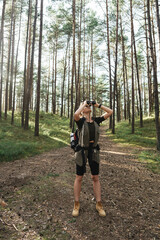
(100, 209)
(76, 208)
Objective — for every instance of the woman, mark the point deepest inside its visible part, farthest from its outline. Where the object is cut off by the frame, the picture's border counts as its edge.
(88, 148)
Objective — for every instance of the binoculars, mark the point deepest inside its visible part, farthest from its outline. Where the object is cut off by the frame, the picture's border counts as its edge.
(91, 102)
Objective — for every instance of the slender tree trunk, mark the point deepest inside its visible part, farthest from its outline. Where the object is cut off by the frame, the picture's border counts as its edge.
(69, 80)
(132, 66)
(115, 74)
(148, 65)
(48, 80)
(53, 75)
(84, 45)
(55, 78)
(30, 79)
(124, 80)
(25, 68)
(137, 70)
(79, 58)
(1, 53)
(8, 63)
(158, 24)
(156, 100)
(109, 64)
(64, 76)
(39, 73)
(16, 63)
(12, 65)
(73, 65)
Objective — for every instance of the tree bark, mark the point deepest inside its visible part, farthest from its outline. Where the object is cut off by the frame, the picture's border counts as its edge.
(132, 66)
(115, 73)
(25, 68)
(1, 53)
(156, 99)
(73, 65)
(137, 69)
(30, 79)
(64, 76)
(158, 24)
(8, 62)
(148, 65)
(109, 64)
(84, 45)
(12, 65)
(16, 63)
(39, 73)
(124, 80)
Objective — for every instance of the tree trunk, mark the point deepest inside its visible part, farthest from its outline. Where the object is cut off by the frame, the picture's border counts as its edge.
(39, 74)
(132, 66)
(84, 45)
(156, 100)
(48, 80)
(69, 57)
(55, 78)
(15, 76)
(158, 24)
(64, 76)
(148, 65)
(73, 66)
(53, 74)
(1, 53)
(25, 68)
(12, 65)
(115, 73)
(109, 64)
(30, 79)
(79, 59)
(8, 62)
(124, 80)
(137, 70)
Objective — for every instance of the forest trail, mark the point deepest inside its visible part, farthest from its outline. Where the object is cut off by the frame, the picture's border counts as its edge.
(39, 194)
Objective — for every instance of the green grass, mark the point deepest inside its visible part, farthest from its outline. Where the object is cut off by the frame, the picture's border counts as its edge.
(16, 143)
(143, 138)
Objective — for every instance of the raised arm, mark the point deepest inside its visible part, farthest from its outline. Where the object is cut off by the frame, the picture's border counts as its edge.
(79, 110)
(106, 109)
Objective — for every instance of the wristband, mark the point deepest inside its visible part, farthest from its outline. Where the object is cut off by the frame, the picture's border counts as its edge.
(99, 105)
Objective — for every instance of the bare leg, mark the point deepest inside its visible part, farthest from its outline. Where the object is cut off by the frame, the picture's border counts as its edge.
(96, 187)
(77, 187)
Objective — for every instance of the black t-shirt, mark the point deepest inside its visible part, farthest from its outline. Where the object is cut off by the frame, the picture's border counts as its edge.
(98, 120)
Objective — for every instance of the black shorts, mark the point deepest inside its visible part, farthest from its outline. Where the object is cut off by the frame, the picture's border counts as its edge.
(94, 166)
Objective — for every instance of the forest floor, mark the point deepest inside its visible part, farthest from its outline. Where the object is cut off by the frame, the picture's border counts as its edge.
(39, 196)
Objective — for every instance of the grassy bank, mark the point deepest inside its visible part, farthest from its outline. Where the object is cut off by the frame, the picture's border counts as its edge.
(144, 139)
(16, 143)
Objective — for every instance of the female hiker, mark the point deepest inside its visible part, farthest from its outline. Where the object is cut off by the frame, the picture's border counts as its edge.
(88, 148)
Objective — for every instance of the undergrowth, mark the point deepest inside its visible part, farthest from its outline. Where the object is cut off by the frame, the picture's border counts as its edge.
(16, 143)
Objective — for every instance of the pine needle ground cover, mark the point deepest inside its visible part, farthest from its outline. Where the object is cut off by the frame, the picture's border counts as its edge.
(16, 143)
(143, 141)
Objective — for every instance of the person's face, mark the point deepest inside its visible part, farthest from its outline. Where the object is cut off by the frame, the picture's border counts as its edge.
(87, 109)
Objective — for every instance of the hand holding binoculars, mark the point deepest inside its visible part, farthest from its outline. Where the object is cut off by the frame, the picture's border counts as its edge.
(91, 102)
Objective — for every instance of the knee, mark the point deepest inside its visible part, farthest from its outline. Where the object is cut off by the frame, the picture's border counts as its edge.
(79, 178)
(95, 178)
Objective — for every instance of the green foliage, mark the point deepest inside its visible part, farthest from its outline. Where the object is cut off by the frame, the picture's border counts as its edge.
(15, 142)
(143, 138)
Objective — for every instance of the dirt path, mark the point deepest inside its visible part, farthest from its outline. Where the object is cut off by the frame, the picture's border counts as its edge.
(39, 194)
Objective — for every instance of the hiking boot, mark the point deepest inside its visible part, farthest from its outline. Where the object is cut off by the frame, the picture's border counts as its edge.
(76, 208)
(100, 209)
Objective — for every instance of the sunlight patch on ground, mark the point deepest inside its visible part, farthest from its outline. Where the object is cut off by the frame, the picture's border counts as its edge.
(59, 140)
(133, 168)
(118, 153)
